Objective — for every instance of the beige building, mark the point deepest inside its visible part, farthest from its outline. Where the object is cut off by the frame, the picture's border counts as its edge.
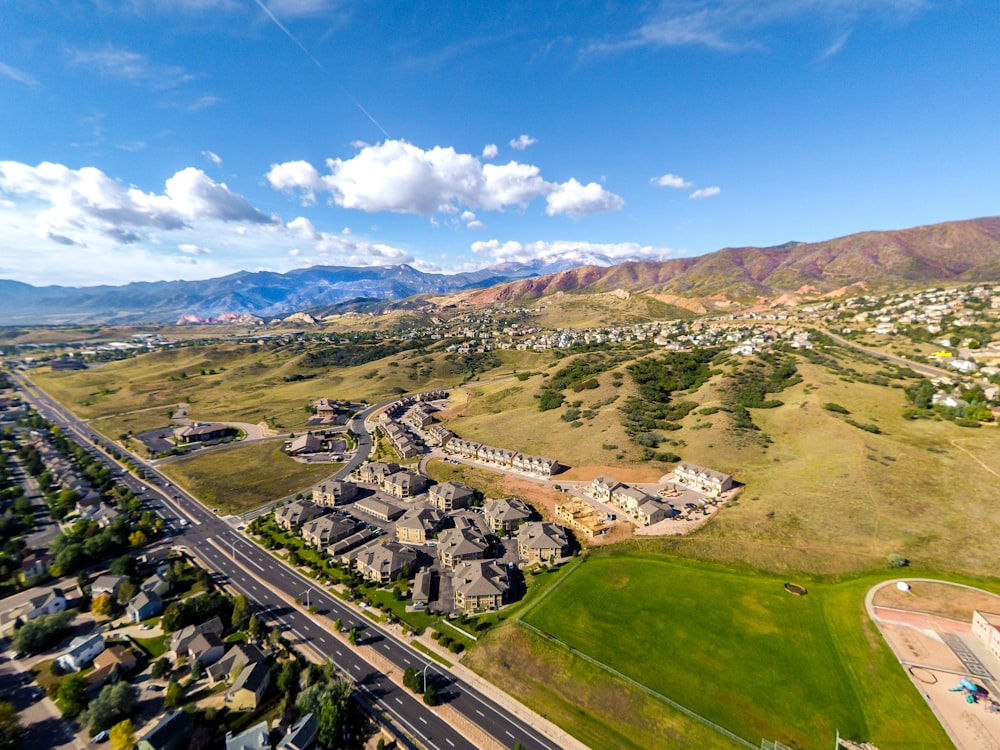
(480, 586)
(249, 687)
(450, 496)
(334, 492)
(540, 542)
(384, 562)
(462, 543)
(505, 514)
(296, 513)
(704, 480)
(418, 525)
(986, 627)
(583, 518)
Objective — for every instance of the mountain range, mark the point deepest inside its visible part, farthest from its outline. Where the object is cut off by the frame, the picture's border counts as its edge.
(950, 252)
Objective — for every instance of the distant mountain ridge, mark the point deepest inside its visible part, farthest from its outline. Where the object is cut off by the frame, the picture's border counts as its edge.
(950, 252)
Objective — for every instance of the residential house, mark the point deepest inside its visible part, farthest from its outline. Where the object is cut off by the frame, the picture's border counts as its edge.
(256, 737)
(439, 435)
(157, 584)
(480, 586)
(334, 492)
(180, 640)
(450, 496)
(379, 508)
(237, 657)
(81, 652)
(382, 563)
(505, 514)
(35, 566)
(629, 498)
(326, 530)
(420, 417)
(172, 732)
(325, 407)
(418, 525)
(206, 648)
(541, 542)
(115, 658)
(602, 487)
(296, 513)
(144, 605)
(107, 584)
(405, 484)
(377, 471)
(249, 687)
(421, 590)
(104, 516)
(704, 480)
(653, 511)
(304, 444)
(27, 608)
(464, 448)
(302, 734)
(462, 543)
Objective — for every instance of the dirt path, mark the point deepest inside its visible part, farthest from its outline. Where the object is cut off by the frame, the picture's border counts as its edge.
(969, 453)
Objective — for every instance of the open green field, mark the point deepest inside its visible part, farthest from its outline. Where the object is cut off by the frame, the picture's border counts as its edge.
(237, 478)
(733, 647)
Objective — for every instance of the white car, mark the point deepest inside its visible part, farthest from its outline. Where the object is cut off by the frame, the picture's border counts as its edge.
(100, 737)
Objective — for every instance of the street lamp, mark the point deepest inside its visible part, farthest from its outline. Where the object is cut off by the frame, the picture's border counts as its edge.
(306, 592)
(425, 675)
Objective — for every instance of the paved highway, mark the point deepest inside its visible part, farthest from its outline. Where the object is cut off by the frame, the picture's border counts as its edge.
(256, 573)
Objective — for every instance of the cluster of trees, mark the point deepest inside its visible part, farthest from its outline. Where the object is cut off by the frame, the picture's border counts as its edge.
(360, 353)
(36, 635)
(342, 722)
(110, 709)
(10, 727)
(654, 409)
(579, 375)
(975, 410)
(198, 609)
(16, 517)
(748, 387)
(415, 681)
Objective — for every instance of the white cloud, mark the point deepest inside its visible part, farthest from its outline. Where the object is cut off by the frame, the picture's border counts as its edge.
(399, 177)
(130, 66)
(490, 151)
(577, 200)
(671, 181)
(342, 249)
(730, 25)
(522, 142)
(78, 202)
(15, 74)
(602, 254)
(212, 157)
(189, 249)
(708, 192)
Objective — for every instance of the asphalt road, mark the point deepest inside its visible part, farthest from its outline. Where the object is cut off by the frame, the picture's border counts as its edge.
(253, 571)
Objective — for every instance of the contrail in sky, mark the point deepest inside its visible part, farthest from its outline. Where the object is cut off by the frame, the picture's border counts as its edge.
(319, 65)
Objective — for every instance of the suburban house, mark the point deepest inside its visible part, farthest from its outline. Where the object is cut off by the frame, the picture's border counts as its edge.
(420, 416)
(249, 687)
(296, 513)
(180, 640)
(582, 517)
(704, 480)
(202, 433)
(377, 471)
(238, 656)
(986, 627)
(107, 585)
(326, 530)
(418, 525)
(382, 563)
(450, 496)
(405, 484)
(144, 605)
(172, 732)
(462, 543)
(81, 652)
(206, 648)
(652, 511)
(379, 508)
(480, 586)
(334, 492)
(301, 735)
(464, 448)
(629, 498)
(541, 542)
(47, 603)
(325, 407)
(505, 514)
(157, 584)
(304, 444)
(113, 658)
(257, 737)
(36, 566)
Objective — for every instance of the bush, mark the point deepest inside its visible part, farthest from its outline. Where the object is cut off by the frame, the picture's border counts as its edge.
(896, 560)
(831, 406)
(550, 400)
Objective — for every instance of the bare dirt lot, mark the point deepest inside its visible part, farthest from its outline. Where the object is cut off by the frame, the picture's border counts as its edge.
(944, 599)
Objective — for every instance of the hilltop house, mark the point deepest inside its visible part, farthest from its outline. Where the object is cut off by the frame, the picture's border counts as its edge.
(709, 481)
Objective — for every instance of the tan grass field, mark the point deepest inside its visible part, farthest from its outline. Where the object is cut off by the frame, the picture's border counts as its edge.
(238, 478)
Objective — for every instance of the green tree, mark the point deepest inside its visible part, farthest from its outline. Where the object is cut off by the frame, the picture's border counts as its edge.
(37, 634)
(125, 565)
(342, 724)
(115, 702)
(241, 612)
(431, 695)
(197, 670)
(352, 636)
(160, 668)
(10, 727)
(173, 695)
(71, 697)
(256, 628)
(122, 735)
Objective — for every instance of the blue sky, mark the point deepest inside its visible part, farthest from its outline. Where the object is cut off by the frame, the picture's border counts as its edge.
(166, 139)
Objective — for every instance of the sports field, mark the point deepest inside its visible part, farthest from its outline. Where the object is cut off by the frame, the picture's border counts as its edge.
(738, 650)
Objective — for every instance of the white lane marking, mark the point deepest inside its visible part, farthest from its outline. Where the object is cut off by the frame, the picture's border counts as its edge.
(357, 667)
(480, 713)
(425, 720)
(508, 734)
(399, 701)
(449, 742)
(338, 652)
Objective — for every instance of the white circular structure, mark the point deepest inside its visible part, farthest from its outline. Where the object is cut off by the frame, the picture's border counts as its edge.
(902, 585)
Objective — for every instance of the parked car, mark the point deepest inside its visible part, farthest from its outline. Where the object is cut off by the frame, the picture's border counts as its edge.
(100, 737)
(154, 688)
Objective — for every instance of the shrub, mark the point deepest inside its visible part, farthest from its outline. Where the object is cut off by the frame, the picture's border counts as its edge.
(831, 406)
